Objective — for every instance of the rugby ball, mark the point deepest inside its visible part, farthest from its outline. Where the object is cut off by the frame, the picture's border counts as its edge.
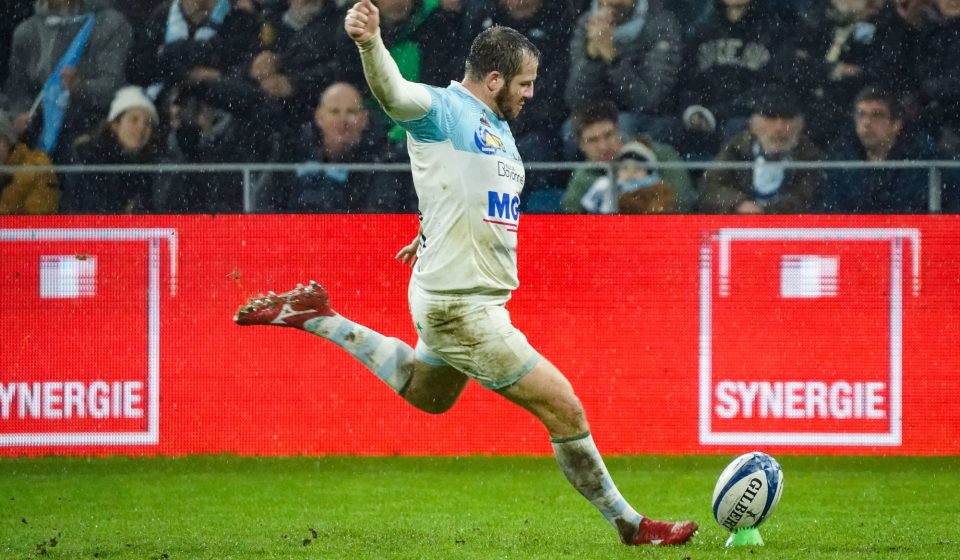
(748, 491)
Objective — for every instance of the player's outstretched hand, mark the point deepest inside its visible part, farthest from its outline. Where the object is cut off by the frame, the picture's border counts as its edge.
(362, 21)
(408, 255)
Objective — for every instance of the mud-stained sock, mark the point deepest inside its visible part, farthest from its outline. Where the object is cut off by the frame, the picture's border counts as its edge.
(582, 465)
(390, 359)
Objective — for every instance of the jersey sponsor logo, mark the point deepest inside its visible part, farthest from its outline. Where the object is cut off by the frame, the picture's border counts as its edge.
(513, 173)
(488, 142)
(503, 209)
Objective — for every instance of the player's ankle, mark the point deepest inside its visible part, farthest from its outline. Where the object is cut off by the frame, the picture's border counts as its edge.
(627, 529)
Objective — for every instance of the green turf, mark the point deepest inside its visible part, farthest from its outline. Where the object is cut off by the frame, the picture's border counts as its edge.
(475, 507)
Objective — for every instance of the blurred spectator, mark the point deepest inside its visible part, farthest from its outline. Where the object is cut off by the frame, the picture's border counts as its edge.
(628, 51)
(580, 6)
(880, 136)
(341, 133)
(127, 136)
(937, 67)
(11, 14)
(24, 192)
(699, 138)
(601, 139)
(775, 136)
(842, 46)
(302, 51)
(689, 12)
(727, 61)
(422, 36)
(218, 121)
(914, 13)
(637, 189)
(38, 45)
(192, 39)
(136, 11)
(259, 6)
(548, 25)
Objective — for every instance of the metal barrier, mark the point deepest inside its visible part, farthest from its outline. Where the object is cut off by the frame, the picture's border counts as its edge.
(933, 167)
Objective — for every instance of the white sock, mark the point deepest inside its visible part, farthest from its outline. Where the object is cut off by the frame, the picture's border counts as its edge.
(390, 359)
(581, 463)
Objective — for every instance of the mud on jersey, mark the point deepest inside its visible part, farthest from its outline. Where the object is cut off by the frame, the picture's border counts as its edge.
(468, 176)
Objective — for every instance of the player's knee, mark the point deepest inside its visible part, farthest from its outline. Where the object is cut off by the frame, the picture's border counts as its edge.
(571, 414)
(578, 420)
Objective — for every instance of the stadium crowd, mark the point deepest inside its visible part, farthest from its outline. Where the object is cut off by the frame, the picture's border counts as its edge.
(625, 82)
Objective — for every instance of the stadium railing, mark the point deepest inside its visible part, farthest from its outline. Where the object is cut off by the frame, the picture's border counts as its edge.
(250, 172)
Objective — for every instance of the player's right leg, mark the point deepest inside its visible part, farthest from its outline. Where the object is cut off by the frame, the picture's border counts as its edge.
(428, 384)
(547, 394)
(475, 334)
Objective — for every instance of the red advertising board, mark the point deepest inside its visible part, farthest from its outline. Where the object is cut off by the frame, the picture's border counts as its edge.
(683, 334)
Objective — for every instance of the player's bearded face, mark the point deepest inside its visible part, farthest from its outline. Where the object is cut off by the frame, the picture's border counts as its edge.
(511, 96)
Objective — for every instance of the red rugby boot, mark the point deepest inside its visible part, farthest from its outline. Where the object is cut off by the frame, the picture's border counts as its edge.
(664, 532)
(290, 309)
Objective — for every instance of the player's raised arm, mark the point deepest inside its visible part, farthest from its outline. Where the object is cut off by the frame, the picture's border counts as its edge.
(402, 100)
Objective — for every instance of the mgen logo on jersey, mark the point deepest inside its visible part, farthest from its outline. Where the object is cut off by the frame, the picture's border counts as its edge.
(503, 209)
(488, 142)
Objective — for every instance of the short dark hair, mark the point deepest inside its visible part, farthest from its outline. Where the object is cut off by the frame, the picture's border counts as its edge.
(593, 112)
(883, 95)
(499, 49)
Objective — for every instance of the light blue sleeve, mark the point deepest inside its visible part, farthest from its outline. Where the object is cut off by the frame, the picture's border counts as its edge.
(440, 121)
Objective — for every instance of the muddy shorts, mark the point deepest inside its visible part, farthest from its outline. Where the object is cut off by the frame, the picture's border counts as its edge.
(472, 333)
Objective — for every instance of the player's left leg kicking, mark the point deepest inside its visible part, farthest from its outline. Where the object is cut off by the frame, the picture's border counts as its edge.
(428, 384)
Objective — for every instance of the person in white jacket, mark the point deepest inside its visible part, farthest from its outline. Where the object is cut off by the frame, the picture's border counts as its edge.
(468, 177)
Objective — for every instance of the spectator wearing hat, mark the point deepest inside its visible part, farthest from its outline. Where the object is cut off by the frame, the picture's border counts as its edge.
(127, 136)
(601, 139)
(24, 192)
(638, 188)
(775, 136)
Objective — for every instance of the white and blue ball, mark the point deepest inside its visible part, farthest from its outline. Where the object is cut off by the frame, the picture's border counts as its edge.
(748, 491)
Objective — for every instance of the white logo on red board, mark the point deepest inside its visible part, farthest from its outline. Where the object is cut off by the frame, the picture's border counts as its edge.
(85, 370)
(801, 335)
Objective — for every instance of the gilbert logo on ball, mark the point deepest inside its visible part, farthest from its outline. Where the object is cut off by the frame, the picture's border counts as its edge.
(747, 491)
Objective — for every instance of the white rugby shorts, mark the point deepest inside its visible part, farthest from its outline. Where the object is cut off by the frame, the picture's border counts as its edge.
(472, 333)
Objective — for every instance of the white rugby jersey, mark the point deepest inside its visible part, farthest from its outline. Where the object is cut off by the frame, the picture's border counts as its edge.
(468, 176)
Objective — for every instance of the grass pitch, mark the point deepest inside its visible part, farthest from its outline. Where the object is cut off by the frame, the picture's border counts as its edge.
(475, 507)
